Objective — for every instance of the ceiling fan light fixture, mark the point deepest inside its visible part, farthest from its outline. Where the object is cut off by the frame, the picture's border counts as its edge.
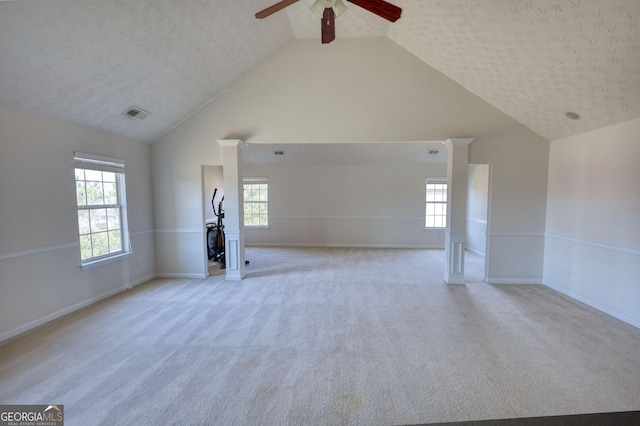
(320, 5)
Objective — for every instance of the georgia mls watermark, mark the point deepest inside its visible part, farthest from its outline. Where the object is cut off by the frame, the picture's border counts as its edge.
(31, 415)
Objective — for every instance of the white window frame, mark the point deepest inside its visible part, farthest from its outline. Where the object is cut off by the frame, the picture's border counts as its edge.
(438, 216)
(92, 162)
(264, 203)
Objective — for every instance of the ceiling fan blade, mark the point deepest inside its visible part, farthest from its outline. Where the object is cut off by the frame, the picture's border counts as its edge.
(328, 26)
(274, 8)
(381, 8)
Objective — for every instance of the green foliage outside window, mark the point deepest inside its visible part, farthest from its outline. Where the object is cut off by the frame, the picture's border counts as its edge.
(256, 202)
(99, 213)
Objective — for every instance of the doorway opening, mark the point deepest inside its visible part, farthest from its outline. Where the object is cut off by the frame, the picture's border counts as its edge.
(478, 182)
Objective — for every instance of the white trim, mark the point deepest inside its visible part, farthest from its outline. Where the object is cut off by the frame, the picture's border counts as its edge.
(598, 244)
(180, 231)
(516, 234)
(474, 220)
(389, 246)
(140, 233)
(55, 247)
(474, 251)
(179, 275)
(101, 158)
(617, 315)
(66, 311)
(518, 281)
(458, 141)
(39, 250)
(346, 218)
(99, 262)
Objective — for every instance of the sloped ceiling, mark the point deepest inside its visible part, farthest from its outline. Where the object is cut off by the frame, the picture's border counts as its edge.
(87, 61)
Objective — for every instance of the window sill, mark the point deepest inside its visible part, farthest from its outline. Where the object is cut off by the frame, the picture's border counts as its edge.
(433, 229)
(257, 227)
(94, 263)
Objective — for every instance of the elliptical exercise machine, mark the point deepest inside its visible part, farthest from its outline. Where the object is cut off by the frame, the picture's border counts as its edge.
(215, 233)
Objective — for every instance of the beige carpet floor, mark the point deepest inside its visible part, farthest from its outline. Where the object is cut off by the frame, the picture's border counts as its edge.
(327, 336)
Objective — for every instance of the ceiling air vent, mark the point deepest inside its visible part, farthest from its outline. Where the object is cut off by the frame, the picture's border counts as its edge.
(136, 113)
(278, 152)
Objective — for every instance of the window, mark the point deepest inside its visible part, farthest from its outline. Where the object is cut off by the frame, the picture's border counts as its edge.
(256, 202)
(101, 204)
(436, 200)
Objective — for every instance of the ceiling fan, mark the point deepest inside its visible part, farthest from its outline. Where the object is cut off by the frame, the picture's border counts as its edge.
(328, 10)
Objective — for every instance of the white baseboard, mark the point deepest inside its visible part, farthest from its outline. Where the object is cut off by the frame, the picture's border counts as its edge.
(617, 315)
(513, 281)
(388, 246)
(179, 275)
(474, 251)
(59, 314)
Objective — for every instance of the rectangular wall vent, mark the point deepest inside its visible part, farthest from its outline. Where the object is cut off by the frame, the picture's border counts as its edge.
(136, 113)
(433, 152)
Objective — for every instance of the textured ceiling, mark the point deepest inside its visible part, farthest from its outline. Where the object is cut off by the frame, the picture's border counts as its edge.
(86, 61)
(534, 60)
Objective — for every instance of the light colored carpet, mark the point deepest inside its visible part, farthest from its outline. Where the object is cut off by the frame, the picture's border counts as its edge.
(327, 336)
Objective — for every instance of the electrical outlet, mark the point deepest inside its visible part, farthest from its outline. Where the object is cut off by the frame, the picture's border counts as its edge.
(137, 263)
(568, 272)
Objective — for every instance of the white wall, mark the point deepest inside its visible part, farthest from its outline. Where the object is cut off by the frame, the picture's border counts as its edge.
(477, 205)
(346, 205)
(40, 278)
(355, 90)
(517, 204)
(592, 249)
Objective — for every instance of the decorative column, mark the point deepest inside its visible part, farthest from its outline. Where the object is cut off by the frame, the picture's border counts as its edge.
(455, 234)
(233, 208)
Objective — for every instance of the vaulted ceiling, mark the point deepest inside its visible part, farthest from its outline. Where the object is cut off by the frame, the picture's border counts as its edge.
(87, 61)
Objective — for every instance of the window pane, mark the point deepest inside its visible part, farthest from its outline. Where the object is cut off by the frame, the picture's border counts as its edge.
(100, 228)
(110, 193)
(81, 193)
(94, 194)
(98, 220)
(436, 203)
(264, 194)
(100, 244)
(256, 197)
(431, 210)
(115, 241)
(430, 222)
(93, 175)
(85, 247)
(113, 219)
(83, 222)
(430, 193)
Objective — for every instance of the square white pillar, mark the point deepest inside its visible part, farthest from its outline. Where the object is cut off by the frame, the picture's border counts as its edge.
(233, 208)
(455, 234)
